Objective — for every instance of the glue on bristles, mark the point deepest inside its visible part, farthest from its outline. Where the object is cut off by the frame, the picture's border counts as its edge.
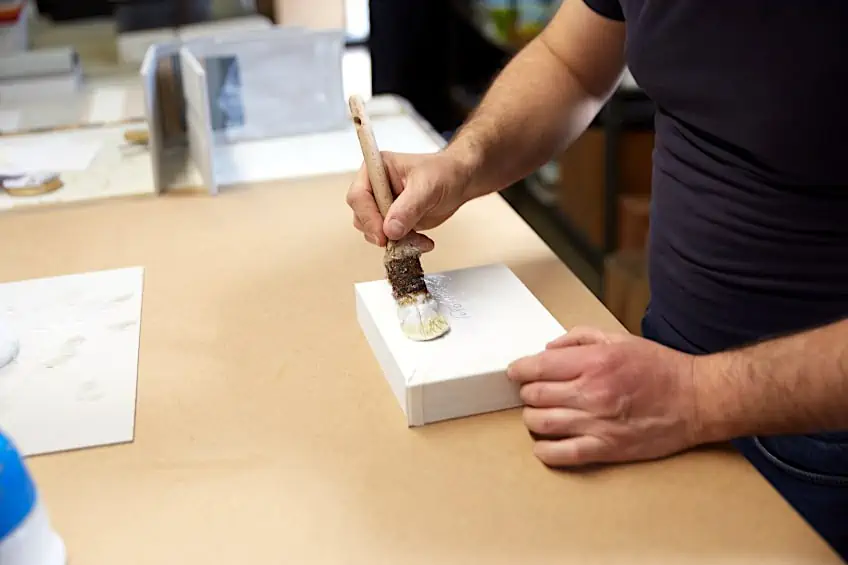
(418, 311)
(420, 318)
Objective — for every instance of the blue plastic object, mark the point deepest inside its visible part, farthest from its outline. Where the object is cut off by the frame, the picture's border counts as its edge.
(17, 489)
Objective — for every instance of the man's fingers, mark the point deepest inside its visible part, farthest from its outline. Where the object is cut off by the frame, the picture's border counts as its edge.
(579, 336)
(357, 223)
(556, 422)
(550, 394)
(369, 237)
(411, 204)
(573, 452)
(361, 200)
(396, 166)
(417, 198)
(421, 241)
(583, 335)
(551, 365)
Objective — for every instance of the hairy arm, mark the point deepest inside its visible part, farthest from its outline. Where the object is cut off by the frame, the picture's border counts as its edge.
(791, 385)
(543, 99)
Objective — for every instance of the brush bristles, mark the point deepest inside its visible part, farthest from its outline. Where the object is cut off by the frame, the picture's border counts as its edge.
(420, 319)
(418, 311)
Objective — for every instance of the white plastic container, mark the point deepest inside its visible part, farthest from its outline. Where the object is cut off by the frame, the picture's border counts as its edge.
(26, 535)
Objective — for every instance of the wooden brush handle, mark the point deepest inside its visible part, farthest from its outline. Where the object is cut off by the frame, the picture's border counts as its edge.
(380, 183)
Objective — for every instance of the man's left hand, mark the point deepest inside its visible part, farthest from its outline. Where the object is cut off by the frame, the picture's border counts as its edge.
(607, 398)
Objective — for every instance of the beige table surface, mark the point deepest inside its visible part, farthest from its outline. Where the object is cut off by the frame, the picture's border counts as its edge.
(266, 434)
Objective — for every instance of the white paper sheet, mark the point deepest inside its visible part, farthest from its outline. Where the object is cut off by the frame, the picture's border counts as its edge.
(53, 152)
(73, 382)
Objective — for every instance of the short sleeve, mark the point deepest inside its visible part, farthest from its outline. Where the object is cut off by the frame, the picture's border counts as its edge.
(608, 8)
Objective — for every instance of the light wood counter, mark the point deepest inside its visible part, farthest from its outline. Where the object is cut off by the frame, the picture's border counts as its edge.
(266, 434)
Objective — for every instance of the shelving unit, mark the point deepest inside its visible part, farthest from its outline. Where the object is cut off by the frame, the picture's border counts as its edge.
(627, 109)
(477, 54)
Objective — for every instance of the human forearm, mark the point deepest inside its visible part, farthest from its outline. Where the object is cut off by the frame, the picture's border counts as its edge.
(791, 385)
(544, 99)
(533, 108)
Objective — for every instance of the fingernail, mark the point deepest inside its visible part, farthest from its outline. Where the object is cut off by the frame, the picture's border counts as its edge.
(371, 238)
(394, 229)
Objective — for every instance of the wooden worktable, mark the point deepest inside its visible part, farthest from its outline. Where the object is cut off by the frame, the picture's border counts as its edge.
(266, 434)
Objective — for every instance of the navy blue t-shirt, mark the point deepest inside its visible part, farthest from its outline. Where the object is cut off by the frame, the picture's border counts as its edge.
(749, 215)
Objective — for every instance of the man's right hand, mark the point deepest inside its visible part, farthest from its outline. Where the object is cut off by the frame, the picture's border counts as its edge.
(428, 189)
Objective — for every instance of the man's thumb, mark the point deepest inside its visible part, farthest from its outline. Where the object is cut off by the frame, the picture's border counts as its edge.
(408, 208)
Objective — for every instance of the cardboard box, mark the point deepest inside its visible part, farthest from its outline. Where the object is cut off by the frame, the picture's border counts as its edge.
(634, 219)
(311, 14)
(626, 290)
(494, 319)
(582, 177)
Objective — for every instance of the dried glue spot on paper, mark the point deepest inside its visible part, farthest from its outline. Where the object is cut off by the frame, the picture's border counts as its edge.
(89, 392)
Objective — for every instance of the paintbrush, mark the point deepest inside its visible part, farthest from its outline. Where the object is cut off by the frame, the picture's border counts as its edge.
(418, 310)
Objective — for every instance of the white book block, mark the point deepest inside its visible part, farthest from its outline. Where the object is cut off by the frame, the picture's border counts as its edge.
(152, 113)
(198, 121)
(494, 320)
